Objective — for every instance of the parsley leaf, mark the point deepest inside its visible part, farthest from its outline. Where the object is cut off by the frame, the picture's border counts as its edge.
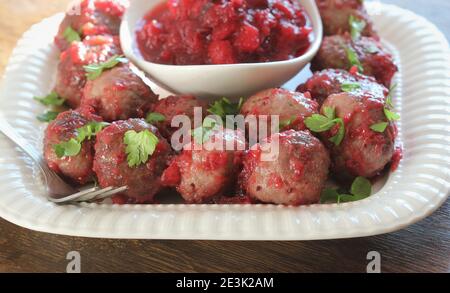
(287, 122)
(379, 127)
(155, 117)
(352, 57)
(93, 71)
(139, 146)
(389, 102)
(361, 188)
(47, 116)
(350, 87)
(339, 137)
(68, 148)
(71, 35)
(391, 116)
(50, 100)
(224, 107)
(356, 26)
(73, 146)
(203, 133)
(321, 123)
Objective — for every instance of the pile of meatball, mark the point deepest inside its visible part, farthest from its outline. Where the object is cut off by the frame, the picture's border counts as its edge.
(305, 159)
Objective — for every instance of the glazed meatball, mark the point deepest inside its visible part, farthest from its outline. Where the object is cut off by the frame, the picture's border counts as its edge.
(78, 169)
(363, 151)
(333, 81)
(71, 75)
(90, 18)
(201, 174)
(112, 168)
(336, 15)
(335, 52)
(119, 94)
(292, 107)
(296, 176)
(177, 105)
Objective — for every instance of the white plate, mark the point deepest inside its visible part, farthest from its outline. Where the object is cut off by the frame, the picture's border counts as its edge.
(414, 191)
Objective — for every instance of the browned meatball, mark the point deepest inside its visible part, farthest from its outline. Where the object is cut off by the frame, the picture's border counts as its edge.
(199, 175)
(119, 94)
(90, 18)
(112, 168)
(336, 15)
(71, 75)
(291, 107)
(336, 52)
(295, 177)
(177, 105)
(334, 81)
(363, 152)
(77, 169)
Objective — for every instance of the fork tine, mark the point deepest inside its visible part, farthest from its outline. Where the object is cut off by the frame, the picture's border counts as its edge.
(73, 196)
(90, 196)
(110, 193)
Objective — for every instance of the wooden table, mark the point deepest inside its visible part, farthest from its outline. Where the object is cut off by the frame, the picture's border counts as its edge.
(423, 247)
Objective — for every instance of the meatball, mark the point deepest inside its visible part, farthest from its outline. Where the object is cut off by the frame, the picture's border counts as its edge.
(336, 16)
(119, 94)
(112, 168)
(177, 105)
(363, 151)
(291, 107)
(295, 176)
(78, 169)
(337, 52)
(333, 81)
(92, 17)
(71, 75)
(201, 172)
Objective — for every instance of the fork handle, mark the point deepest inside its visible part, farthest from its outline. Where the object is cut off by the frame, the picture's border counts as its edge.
(22, 143)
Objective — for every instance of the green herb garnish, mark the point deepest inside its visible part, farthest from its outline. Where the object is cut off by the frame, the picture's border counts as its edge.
(203, 133)
(224, 107)
(360, 189)
(50, 100)
(71, 35)
(353, 58)
(356, 26)
(139, 146)
(93, 71)
(72, 147)
(155, 117)
(287, 122)
(379, 127)
(48, 116)
(321, 123)
(350, 87)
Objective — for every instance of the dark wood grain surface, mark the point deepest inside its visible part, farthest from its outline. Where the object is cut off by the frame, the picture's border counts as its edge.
(423, 247)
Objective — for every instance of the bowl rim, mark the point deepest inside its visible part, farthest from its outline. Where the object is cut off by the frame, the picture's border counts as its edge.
(128, 40)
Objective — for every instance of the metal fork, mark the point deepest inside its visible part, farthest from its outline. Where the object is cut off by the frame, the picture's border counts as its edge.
(58, 191)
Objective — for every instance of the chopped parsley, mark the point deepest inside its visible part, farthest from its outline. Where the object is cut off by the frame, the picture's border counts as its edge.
(352, 57)
(139, 146)
(357, 26)
(51, 99)
(361, 188)
(93, 71)
(155, 117)
(72, 147)
(224, 107)
(321, 123)
(48, 116)
(71, 35)
(350, 87)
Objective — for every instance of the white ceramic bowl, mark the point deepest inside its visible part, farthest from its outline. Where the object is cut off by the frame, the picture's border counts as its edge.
(209, 81)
